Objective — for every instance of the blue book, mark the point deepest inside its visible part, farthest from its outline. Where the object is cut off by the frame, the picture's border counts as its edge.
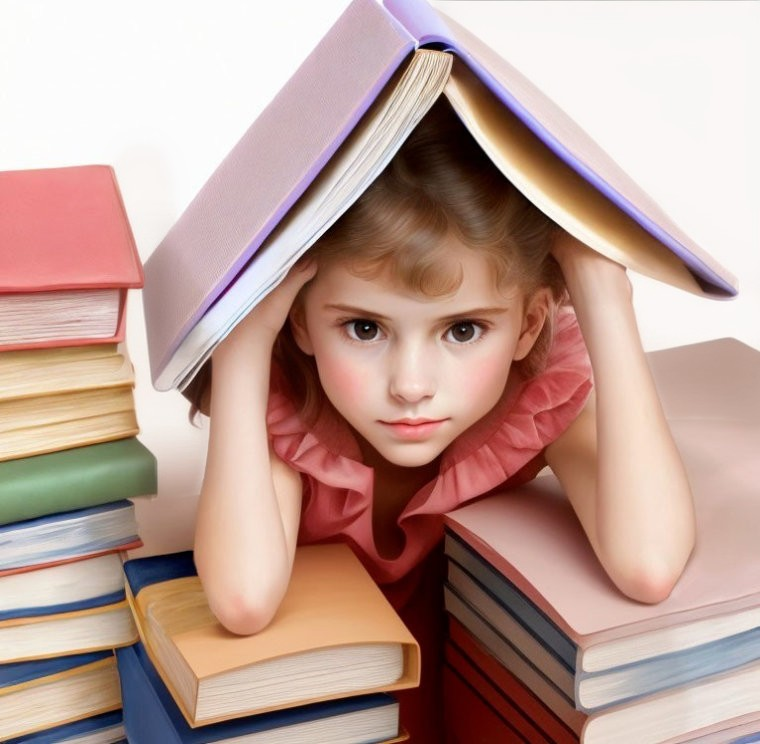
(38, 696)
(106, 727)
(65, 536)
(534, 637)
(151, 715)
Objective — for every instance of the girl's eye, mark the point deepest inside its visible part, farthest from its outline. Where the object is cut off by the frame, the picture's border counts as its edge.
(464, 332)
(362, 330)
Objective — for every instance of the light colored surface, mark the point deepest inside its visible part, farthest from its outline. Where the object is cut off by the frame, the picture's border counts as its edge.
(163, 90)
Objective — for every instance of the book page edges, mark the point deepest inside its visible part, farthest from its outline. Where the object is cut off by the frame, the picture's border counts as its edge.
(56, 676)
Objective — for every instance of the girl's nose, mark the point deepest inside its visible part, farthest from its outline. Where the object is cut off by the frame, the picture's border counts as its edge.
(412, 374)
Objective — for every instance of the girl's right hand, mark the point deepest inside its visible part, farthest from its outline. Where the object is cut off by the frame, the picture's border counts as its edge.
(261, 326)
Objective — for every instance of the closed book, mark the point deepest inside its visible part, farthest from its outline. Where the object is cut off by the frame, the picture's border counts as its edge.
(477, 711)
(37, 695)
(334, 635)
(30, 426)
(76, 631)
(90, 582)
(75, 478)
(530, 705)
(35, 373)
(67, 257)
(151, 715)
(67, 536)
(235, 220)
(711, 399)
(105, 728)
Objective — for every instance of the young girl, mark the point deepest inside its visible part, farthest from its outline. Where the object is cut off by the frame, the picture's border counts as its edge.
(422, 356)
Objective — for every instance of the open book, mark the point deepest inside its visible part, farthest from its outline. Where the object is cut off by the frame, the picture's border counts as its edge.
(334, 636)
(285, 183)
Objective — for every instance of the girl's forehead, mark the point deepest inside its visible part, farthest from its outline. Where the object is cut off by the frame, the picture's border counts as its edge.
(471, 278)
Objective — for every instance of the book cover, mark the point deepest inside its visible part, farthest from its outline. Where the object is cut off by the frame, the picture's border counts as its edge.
(150, 714)
(38, 695)
(75, 478)
(64, 230)
(334, 622)
(710, 395)
(63, 536)
(209, 253)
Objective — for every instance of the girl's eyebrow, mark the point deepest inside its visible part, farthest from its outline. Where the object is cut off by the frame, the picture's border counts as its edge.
(469, 313)
(359, 312)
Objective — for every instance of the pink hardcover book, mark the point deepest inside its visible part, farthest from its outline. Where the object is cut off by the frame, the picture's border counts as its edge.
(65, 241)
(189, 297)
(711, 396)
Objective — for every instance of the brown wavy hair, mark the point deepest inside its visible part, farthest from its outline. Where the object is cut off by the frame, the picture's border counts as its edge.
(439, 185)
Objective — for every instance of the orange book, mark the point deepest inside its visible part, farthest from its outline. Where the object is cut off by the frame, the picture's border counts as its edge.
(335, 635)
(67, 257)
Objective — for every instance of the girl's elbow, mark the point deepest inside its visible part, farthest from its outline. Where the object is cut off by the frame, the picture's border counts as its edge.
(243, 605)
(650, 581)
(648, 587)
(242, 613)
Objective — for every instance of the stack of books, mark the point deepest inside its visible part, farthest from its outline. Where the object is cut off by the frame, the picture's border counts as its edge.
(542, 646)
(69, 457)
(323, 670)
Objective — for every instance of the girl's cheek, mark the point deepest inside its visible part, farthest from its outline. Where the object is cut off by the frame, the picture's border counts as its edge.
(345, 377)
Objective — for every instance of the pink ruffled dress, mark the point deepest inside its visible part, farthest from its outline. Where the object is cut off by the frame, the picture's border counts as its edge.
(503, 449)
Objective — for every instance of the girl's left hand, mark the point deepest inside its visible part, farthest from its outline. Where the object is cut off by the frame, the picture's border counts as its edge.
(589, 273)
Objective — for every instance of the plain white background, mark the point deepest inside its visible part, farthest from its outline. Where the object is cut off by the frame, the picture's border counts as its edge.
(162, 89)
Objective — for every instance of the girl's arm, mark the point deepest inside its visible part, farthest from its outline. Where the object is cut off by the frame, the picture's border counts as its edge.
(250, 500)
(618, 462)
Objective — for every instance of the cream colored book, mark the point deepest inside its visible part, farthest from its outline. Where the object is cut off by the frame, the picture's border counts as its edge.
(35, 426)
(63, 369)
(335, 635)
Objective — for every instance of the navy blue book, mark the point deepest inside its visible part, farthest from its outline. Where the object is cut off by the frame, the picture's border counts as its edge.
(104, 727)
(151, 715)
(37, 696)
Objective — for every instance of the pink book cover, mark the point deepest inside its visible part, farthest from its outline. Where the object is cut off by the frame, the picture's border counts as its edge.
(710, 394)
(66, 228)
(260, 179)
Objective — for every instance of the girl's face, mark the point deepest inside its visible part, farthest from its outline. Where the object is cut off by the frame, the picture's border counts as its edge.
(410, 373)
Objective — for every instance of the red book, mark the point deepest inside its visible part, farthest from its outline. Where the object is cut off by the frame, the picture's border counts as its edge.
(514, 694)
(67, 257)
(473, 704)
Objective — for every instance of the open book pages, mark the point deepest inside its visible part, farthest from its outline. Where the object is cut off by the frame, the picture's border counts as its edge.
(555, 188)
(36, 317)
(361, 158)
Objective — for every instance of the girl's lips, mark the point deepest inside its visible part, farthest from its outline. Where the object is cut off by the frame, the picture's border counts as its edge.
(413, 429)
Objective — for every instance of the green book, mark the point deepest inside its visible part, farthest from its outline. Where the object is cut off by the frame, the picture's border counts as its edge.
(75, 478)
